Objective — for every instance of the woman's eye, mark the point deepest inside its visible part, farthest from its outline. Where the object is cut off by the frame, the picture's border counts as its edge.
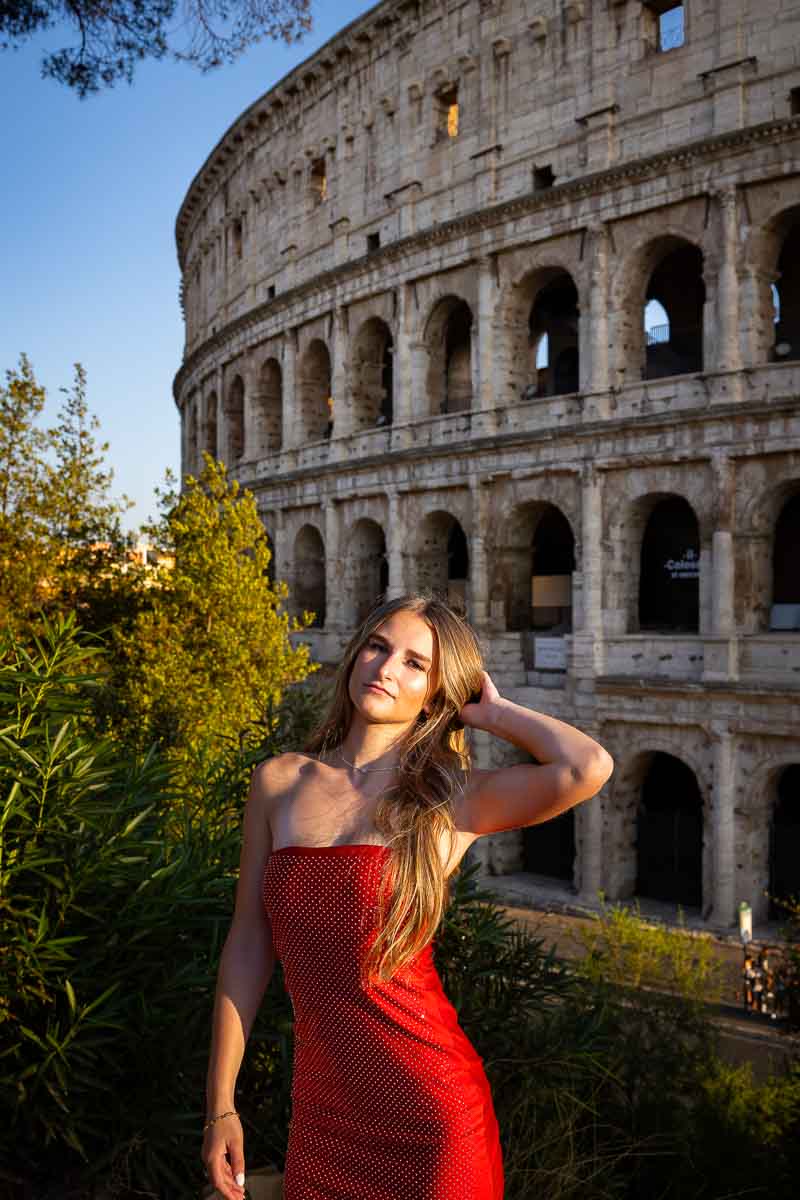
(414, 663)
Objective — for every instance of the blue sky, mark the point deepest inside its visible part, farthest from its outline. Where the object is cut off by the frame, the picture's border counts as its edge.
(90, 194)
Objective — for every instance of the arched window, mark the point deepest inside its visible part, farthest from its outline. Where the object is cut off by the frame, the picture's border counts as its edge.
(308, 593)
(669, 579)
(314, 393)
(553, 337)
(669, 841)
(373, 376)
(676, 283)
(234, 419)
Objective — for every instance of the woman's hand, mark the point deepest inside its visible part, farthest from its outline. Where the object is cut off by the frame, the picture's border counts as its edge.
(478, 714)
(225, 1138)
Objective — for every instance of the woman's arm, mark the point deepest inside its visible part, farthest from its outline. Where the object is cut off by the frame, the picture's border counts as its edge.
(570, 767)
(245, 969)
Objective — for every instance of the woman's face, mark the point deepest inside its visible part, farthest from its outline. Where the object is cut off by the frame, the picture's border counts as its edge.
(394, 670)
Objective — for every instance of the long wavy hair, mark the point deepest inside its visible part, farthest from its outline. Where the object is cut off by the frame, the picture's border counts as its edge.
(414, 812)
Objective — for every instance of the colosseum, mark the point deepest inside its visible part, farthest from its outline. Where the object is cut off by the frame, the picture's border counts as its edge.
(502, 298)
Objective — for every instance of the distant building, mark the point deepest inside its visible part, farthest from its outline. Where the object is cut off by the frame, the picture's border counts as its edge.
(415, 278)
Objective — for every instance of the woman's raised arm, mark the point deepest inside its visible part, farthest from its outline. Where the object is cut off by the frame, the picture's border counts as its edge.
(570, 767)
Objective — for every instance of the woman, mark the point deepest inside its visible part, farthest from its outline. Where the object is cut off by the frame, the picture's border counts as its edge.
(346, 858)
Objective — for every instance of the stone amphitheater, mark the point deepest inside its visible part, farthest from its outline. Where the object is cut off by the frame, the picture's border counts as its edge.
(502, 298)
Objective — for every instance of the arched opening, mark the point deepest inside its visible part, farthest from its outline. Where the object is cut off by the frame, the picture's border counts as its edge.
(315, 403)
(784, 843)
(373, 375)
(677, 284)
(366, 571)
(234, 418)
(669, 834)
(785, 612)
(669, 578)
(553, 338)
(191, 437)
(210, 430)
(449, 343)
(549, 848)
(787, 327)
(541, 557)
(443, 559)
(268, 409)
(308, 594)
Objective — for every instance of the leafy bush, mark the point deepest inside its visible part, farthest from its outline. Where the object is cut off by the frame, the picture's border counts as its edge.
(111, 924)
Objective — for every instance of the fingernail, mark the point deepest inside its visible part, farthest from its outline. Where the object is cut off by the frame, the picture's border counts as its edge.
(240, 1179)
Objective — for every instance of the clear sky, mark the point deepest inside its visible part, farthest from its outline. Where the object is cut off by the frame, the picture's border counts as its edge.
(88, 203)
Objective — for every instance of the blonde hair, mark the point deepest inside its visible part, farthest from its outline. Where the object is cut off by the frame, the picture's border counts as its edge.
(413, 812)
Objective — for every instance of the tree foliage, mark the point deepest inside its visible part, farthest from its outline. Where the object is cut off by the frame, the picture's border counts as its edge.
(205, 662)
(60, 531)
(113, 37)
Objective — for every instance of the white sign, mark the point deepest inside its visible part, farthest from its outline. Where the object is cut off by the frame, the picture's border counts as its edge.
(687, 567)
(550, 653)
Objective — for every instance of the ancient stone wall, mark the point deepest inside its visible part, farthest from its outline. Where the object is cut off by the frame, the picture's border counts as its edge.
(419, 282)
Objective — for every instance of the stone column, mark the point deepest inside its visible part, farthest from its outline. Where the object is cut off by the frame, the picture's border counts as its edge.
(723, 825)
(484, 401)
(589, 831)
(588, 644)
(403, 383)
(478, 575)
(720, 661)
(333, 567)
(342, 404)
(594, 372)
(394, 546)
(728, 351)
(282, 566)
(289, 384)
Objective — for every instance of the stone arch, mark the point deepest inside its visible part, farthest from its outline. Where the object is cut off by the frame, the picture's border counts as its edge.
(192, 436)
(210, 439)
(366, 570)
(314, 399)
(308, 593)
(645, 818)
(544, 304)
(668, 597)
(534, 567)
(234, 419)
(442, 558)
(268, 409)
(766, 558)
(448, 340)
(764, 863)
(372, 375)
(784, 848)
(668, 268)
(780, 252)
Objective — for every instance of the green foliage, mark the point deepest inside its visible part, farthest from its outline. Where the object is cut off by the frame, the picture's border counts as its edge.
(624, 951)
(111, 924)
(55, 506)
(111, 38)
(203, 666)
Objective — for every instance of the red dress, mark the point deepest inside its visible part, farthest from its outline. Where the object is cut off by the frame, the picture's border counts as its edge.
(389, 1098)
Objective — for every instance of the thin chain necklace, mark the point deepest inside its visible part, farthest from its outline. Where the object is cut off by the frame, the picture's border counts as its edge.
(362, 770)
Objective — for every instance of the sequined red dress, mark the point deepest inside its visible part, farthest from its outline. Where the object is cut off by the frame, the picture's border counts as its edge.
(389, 1098)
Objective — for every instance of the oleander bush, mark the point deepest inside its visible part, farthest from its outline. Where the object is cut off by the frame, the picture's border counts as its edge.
(111, 923)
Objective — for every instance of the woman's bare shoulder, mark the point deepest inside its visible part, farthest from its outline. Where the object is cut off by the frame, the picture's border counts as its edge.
(274, 775)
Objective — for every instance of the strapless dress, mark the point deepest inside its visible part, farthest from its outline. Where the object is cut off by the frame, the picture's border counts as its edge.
(389, 1098)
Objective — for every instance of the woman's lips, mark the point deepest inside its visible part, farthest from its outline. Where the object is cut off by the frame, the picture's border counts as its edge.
(376, 687)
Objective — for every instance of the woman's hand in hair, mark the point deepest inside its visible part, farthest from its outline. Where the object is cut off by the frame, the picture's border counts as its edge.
(477, 712)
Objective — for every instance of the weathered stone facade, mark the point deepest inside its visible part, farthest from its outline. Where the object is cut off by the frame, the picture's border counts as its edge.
(414, 280)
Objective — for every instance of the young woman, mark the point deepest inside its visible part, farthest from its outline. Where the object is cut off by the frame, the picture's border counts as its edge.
(346, 858)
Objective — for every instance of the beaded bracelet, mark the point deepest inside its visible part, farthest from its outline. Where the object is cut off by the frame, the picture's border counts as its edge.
(230, 1113)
